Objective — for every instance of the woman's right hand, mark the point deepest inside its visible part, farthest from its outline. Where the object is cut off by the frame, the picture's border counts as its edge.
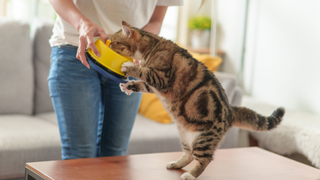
(68, 11)
(87, 30)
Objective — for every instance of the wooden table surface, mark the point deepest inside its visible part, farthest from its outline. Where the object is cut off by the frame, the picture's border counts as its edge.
(229, 164)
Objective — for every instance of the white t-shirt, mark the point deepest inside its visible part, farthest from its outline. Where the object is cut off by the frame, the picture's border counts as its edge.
(108, 14)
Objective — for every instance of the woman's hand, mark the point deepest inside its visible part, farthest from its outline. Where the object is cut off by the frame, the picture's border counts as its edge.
(68, 11)
(87, 30)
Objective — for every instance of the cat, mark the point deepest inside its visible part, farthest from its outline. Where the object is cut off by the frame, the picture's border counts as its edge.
(189, 92)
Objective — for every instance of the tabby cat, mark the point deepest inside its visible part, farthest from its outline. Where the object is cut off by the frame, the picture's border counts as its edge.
(190, 93)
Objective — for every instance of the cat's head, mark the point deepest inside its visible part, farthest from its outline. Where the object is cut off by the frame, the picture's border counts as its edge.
(125, 41)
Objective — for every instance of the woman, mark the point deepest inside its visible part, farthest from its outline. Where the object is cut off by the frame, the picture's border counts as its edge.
(95, 118)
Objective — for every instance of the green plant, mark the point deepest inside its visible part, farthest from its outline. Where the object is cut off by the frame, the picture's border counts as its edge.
(199, 22)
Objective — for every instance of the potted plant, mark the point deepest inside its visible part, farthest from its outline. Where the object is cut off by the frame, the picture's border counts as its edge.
(200, 31)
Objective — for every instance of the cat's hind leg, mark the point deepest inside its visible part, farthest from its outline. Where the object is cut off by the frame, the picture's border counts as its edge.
(135, 86)
(202, 152)
(184, 160)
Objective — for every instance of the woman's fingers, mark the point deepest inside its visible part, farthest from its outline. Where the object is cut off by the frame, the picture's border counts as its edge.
(93, 46)
(103, 36)
(87, 31)
(81, 51)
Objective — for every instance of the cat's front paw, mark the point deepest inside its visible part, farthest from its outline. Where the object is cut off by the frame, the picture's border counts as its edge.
(173, 165)
(126, 66)
(187, 176)
(125, 87)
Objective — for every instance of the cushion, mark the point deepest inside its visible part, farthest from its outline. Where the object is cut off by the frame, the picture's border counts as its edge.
(42, 31)
(16, 70)
(151, 106)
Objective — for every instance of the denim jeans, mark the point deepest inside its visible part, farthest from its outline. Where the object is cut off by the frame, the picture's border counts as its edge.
(94, 117)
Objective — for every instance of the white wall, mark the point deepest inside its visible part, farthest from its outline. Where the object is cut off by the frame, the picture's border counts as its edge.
(282, 62)
(231, 16)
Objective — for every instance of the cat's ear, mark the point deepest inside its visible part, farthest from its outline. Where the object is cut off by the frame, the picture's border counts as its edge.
(126, 24)
(126, 31)
(130, 33)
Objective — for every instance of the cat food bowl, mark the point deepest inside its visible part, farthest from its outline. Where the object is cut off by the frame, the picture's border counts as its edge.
(109, 63)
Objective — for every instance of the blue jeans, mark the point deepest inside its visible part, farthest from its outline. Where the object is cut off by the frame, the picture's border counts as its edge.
(94, 117)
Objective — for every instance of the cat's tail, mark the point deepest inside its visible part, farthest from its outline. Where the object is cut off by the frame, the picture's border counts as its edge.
(249, 119)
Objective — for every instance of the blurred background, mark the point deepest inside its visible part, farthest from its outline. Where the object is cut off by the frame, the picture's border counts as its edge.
(272, 46)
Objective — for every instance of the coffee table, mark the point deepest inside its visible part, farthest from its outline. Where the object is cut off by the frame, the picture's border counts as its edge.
(251, 163)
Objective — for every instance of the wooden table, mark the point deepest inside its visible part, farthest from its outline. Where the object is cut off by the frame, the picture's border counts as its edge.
(235, 164)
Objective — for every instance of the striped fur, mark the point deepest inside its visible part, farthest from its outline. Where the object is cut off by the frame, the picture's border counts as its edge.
(189, 92)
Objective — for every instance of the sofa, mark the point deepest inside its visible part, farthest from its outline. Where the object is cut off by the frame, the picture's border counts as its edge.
(28, 127)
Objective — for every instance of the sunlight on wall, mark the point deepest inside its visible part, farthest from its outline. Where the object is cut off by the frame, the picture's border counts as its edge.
(282, 57)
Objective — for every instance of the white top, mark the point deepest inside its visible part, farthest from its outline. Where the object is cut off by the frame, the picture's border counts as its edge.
(108, 14)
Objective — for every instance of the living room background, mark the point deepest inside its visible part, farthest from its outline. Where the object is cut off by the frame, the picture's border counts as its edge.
(281, 51)
(280, 55)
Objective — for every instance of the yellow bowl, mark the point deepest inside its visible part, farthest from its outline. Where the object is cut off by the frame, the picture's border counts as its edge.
(109, 58)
